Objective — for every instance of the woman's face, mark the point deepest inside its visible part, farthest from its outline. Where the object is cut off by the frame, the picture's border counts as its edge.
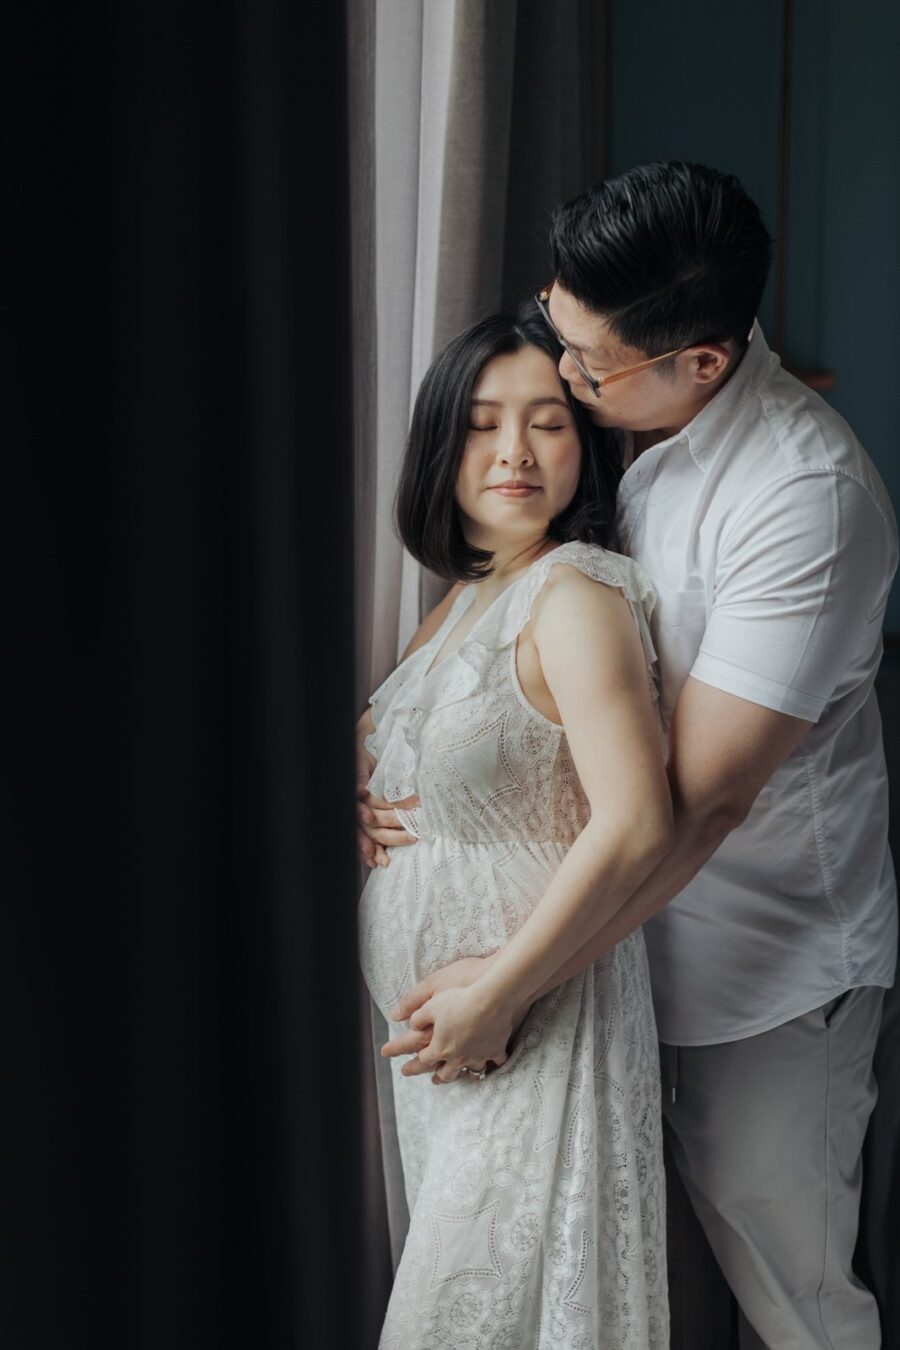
(522, 460)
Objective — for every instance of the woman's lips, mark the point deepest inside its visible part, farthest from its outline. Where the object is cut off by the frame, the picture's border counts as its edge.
(514, 491)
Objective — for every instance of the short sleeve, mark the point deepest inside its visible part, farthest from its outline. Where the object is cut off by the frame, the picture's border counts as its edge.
(802, 579)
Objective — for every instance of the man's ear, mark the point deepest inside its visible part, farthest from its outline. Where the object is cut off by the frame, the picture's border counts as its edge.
(709, 362)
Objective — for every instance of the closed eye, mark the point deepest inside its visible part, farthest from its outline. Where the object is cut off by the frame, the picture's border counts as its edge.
(588, 365)
(536, 426)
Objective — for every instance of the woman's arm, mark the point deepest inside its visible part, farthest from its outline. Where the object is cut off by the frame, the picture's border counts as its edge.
(365, 726)
(594, 666)
(377, 826)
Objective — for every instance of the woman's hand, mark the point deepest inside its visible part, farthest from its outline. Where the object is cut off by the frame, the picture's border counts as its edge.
(464, 1031)
(455, 976)
(378, 828)
(420, 1005)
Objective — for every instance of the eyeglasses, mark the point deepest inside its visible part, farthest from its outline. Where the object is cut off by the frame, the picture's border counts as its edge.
(594, 382)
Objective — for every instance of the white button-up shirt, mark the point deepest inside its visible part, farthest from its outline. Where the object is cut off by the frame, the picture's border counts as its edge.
(772, 544)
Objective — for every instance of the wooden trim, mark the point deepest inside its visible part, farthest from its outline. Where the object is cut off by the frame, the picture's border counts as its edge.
(784, 145)
(823, 381)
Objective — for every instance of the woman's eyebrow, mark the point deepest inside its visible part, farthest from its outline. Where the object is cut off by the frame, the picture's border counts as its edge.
(534, 403)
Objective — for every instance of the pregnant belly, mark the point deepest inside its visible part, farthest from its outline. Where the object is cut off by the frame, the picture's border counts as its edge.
(442, 899)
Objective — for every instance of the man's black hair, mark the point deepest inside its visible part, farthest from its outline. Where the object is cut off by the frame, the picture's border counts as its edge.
(670, 254)
(426, 512)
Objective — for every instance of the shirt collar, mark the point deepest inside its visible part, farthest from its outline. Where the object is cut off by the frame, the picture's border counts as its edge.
(705, 432)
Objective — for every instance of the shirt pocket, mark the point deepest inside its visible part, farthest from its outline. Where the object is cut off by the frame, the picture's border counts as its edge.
(680, 621)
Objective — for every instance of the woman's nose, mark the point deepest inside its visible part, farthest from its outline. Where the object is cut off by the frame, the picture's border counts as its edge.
(514, 448)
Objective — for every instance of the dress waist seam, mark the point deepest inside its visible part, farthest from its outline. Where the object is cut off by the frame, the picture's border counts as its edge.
(493, 842)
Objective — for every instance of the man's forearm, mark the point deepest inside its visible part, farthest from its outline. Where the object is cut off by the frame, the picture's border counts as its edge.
(694, 846)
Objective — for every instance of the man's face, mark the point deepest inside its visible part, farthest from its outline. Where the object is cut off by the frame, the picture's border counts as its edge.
(650, 399)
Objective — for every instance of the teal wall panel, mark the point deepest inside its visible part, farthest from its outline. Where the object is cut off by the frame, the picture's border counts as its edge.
(705, 84)
(699, 84)
(860, 219)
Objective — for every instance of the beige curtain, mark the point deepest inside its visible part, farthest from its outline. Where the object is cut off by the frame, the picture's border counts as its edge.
(469, 120)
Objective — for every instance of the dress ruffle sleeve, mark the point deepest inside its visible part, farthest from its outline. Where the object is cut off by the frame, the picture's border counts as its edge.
(404, 698)
(397, 711)
(613, 569)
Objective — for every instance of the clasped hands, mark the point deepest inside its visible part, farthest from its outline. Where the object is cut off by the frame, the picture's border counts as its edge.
(452, 1026)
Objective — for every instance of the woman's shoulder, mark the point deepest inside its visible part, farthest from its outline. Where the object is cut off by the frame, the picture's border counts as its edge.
(618, 571)
(603, 564)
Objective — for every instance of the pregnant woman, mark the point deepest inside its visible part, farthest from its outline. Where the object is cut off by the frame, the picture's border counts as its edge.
(526, 729)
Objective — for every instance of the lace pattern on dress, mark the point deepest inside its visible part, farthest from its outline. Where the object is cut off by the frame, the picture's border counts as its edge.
(409, 708)
(536, 1197)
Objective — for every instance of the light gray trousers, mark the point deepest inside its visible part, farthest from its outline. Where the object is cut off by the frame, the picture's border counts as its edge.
(767, 1136)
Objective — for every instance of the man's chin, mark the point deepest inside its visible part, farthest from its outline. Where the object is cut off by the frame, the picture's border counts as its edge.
(594, 411)
(595, 414)
(601, 419)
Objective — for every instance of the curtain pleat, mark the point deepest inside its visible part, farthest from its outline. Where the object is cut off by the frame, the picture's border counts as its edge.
(181, 1160)
(465, 134)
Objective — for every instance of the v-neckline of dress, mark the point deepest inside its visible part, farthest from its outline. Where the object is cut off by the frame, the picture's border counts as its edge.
(440, 660)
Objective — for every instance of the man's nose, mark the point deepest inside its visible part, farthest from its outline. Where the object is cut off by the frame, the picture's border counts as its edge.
(568, 369)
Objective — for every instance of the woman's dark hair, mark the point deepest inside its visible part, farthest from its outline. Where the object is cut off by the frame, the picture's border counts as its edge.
(670, 254)
(426, 513)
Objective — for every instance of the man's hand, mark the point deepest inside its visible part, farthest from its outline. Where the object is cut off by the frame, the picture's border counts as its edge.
(377, 826)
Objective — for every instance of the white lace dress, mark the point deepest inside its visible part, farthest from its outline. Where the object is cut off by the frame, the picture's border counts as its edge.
(536, 1196)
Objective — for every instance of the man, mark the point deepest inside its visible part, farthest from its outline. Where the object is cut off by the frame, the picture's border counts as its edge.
(771, 925)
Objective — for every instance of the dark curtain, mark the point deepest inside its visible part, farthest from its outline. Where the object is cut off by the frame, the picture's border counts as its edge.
(180, 1145)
